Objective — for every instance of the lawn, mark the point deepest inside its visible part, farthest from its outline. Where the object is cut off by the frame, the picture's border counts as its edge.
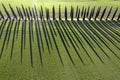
(106, 66)
(59, 49)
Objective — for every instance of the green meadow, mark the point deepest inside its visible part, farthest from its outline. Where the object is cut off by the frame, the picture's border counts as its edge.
(59, 49)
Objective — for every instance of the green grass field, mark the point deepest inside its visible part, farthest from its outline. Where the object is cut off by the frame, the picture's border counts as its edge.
(59, 50)
(51, 68)
(49, 4)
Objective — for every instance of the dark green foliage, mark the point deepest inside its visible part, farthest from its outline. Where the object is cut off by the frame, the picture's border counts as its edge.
(87, 14)
(36, 13)
(103, 13)
(65, 13)
(47, 14)
(114, 13)
(77, 9)
(59, 13)
(72, 13)
(53, 10)
(8, 15)
(42, 11)
(23, 10)
(78, 14)
(91, 14)
(84, 15)
(12, 11)
(109, 13)
(27, 13)
(82, 12)
(97, 13)
(32, 13)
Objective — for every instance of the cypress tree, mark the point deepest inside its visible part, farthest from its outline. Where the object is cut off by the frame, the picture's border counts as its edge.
(6, 11)
(82, 11)
(65, 13)
(109, 13)
(103, 13)
(76, 11)
(12, 11)
(97, 13)
(53, 10)
(27, 14)
(72, 13)
(84, 14)
(114, 13)
(24, 11)
(42, 11)
(88, 11)
(91, 14)
(18, 11)
(33, 13)
(21, 13)
(59, 13)
(78, 14)
(30, 12)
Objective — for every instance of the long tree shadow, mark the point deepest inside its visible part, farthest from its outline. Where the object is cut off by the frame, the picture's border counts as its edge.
(94, 38)
(30, 41)
(117, 23)
(40, 35)
(32, 30)
(79, 39)
(111, 28)
(2, 23)
(63, 42)
(78, 27)
(45, 34)
(53, 28)
(66, 30)
(13, 39)
(3, 45)
(107, 34)
(22, 40)
(114, 25)
(62, 33)
(17, 32)
(9, 33)
(38, 41)
(24, 33)
(100, 36)
(53, 36)
(2, 27)
(72, 42)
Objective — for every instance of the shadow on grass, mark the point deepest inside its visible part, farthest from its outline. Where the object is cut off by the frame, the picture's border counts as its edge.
(71, 41)
(78, 27)
(63, 40)
(79, 39)
(101, 37)
(3, 45)
(38, 42)
(50, 25)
